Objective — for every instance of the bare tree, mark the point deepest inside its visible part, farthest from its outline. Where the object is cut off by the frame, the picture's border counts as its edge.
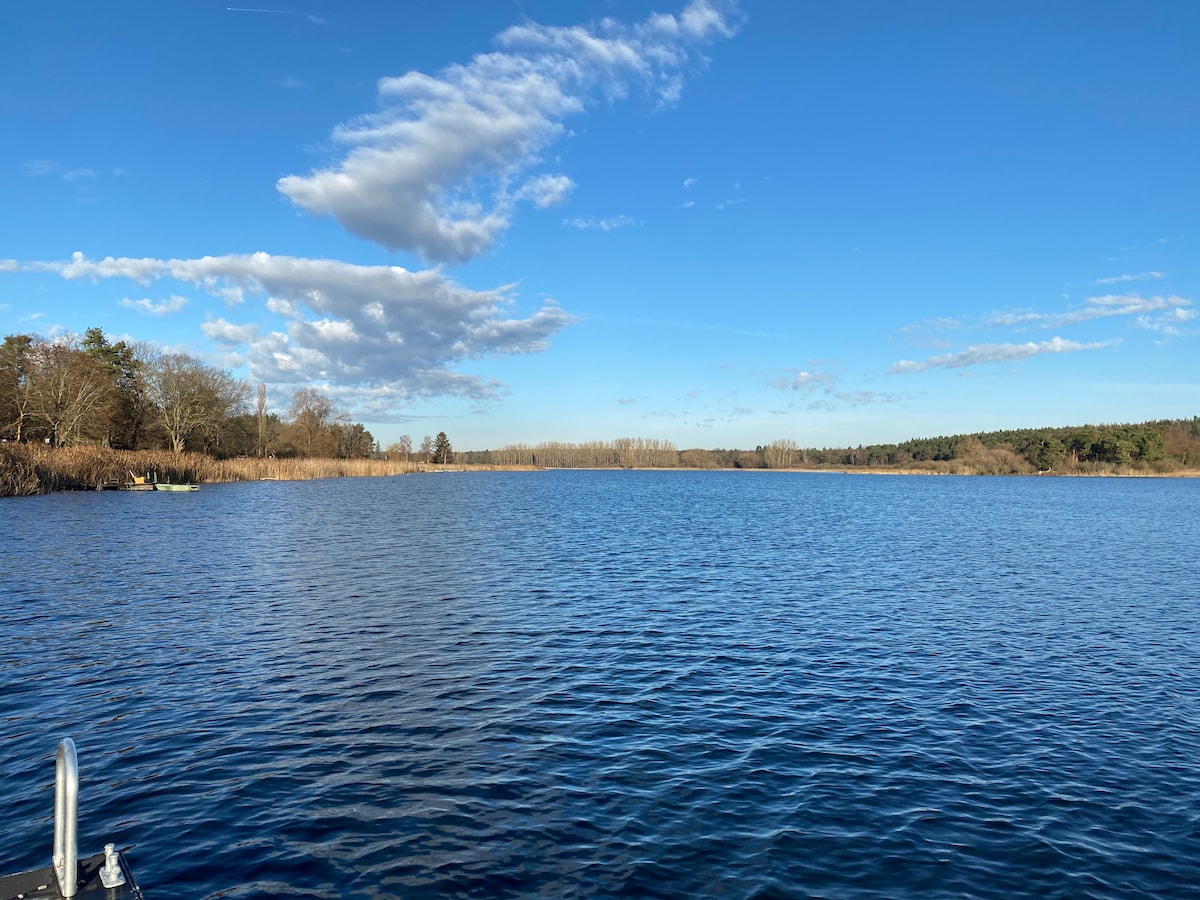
(312, 413)
(622, 452)
(353, 440)
(68, 392)
(402, 447)
(191, 398)
(260, 415)
(426, 448)
(781, 454)
(14, 384)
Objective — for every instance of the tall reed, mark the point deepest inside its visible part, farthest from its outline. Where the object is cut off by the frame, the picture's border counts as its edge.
(27, 469)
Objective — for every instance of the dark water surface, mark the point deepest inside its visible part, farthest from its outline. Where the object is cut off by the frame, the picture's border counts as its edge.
(589, 684)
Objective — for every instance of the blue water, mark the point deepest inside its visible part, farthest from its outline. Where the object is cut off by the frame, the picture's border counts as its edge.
(603, 684)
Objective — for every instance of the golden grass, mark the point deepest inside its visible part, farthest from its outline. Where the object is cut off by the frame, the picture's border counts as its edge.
(27, 469)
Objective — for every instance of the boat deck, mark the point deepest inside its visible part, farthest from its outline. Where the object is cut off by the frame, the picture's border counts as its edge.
(41, 883)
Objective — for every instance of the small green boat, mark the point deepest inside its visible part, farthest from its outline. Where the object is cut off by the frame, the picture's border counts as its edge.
(150, 482)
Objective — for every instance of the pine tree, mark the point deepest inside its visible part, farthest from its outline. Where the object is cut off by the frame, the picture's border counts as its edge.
(442, 452)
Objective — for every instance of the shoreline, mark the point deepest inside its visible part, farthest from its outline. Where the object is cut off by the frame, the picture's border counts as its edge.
(32, 470)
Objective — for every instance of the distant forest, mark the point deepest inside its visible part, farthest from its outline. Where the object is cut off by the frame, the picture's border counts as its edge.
(1164, 446)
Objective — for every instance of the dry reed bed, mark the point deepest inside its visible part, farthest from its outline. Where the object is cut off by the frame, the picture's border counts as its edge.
(27, 469)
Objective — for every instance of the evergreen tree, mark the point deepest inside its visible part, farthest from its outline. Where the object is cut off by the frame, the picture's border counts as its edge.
(442, 452)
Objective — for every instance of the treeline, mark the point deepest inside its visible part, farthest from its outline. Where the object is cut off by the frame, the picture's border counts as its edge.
(624, 453)
(90, 391)
(1161, 446)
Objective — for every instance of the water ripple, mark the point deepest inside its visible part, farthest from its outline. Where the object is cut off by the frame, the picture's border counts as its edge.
(614, 684)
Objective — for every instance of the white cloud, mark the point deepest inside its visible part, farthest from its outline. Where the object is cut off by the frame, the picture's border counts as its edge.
(1168, 323)
(438, 170)
(701, 20)
(8, 265)
(1095, 308)
(172, 304)
(380, 332)
(1014, 319)
(990, 353)
(224, 332)
(142, 271)
(76, 174)
(688, 182)
(615, 222)
(547, 190)
(1140, 276)
(285, 307)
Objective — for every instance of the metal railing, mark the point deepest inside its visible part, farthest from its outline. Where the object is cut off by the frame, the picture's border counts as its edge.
(66, 818)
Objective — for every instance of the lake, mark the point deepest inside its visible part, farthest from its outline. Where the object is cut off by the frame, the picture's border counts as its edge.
(613, 684)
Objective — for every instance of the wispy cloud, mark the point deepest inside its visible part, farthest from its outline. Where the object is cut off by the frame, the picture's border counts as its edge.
(1140, 276)
(1168, 323)
(172, 304)
(40, 167)
(1094, 308)
(992, 353)
(805, 380)
(841, 399)
(437, 172)
(943, 323)
(615, 222)
(382, 334)
(822, 392)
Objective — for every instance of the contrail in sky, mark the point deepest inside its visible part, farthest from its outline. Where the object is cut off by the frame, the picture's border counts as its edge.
(288, 12)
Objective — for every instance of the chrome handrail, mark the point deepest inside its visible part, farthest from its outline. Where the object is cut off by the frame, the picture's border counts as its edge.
(66, 818)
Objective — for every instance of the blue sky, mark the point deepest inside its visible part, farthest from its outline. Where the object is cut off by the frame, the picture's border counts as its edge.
(714, 223)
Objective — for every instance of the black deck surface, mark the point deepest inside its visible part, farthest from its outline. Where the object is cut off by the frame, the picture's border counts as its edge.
(41, 883)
